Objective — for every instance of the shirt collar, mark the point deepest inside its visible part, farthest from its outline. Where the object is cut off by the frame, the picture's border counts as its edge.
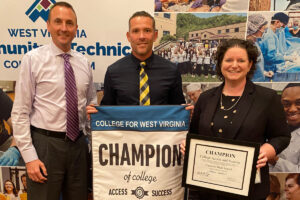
(57, 51)
(137, 61)
(296, 129)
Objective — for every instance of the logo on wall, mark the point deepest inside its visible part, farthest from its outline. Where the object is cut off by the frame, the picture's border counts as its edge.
(40, 8)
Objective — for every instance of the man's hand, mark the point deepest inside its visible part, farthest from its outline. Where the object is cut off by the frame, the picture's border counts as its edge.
(36, 171)
(90, 109)
(10, 157)
(182, 147)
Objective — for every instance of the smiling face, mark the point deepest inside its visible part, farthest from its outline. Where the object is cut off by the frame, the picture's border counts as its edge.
(235, 65)
(291, 187)
(141, 36)
(62, 26)
(9, 187)
(291, 103)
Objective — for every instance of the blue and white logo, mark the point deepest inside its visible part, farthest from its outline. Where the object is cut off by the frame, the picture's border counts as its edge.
(40, 8)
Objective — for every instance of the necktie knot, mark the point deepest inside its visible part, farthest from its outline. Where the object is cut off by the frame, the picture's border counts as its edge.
(66, 56)
(143, 64)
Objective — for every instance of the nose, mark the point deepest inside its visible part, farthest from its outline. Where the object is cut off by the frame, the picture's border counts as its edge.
(293, 108)
(63, 26)
(142, 35)
(234, 63)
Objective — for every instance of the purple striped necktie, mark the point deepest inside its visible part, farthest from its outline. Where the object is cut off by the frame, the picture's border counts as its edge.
(71, 100)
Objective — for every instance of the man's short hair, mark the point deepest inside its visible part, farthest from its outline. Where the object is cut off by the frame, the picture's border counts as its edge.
(291, 85)
(142, 14)
(62, 4)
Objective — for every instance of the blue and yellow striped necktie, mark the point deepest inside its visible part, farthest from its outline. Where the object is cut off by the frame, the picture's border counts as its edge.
(144, 86)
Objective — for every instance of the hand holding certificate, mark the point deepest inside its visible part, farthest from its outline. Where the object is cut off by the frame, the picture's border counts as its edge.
(219, 165)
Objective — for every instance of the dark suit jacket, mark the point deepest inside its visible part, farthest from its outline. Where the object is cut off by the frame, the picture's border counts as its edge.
(260, 118)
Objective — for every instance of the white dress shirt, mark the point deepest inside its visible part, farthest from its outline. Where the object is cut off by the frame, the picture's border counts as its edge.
(40, 94)
(289, 159)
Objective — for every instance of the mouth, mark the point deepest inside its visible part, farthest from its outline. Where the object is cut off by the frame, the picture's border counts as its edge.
(142, 44)
(293, 116)
(234, 72)
(64, 36)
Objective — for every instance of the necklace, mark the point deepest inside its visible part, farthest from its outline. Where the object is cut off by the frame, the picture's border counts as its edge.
(226, 109)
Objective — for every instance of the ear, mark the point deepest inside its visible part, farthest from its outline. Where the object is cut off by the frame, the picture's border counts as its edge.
(155, 35)
(250, 65)
(76, 29)
(128, 37)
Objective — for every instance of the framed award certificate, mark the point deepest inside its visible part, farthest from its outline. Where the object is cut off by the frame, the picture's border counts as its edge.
(226, 167)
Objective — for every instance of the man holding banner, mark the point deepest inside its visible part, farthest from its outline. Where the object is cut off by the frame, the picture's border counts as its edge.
(137, 155)
(54, 87)
(142, 72)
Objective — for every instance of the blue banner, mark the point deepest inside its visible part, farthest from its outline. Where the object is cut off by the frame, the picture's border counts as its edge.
(141, 118)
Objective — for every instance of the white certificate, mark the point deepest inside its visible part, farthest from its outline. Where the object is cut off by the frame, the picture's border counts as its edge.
(225, 166)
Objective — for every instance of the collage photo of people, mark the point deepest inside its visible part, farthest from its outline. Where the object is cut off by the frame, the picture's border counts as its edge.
(13, 185)
(189, 32)
(13, 172)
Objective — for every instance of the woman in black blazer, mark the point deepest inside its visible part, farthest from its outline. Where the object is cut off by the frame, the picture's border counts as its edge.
(241, 110)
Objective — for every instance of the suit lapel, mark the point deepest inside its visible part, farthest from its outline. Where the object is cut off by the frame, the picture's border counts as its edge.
(210, 108)
(243, 108)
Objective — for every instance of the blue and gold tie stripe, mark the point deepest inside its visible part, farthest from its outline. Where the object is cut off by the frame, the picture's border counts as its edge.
(144, 86)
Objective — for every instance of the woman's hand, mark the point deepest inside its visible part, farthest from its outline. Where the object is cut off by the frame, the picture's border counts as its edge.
(190, 108)
(266, 152)
(262, 160)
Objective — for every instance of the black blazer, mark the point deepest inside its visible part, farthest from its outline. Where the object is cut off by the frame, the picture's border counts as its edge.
(260, 118)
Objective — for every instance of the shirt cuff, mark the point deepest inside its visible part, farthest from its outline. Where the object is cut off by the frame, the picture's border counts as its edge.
(29, 155)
